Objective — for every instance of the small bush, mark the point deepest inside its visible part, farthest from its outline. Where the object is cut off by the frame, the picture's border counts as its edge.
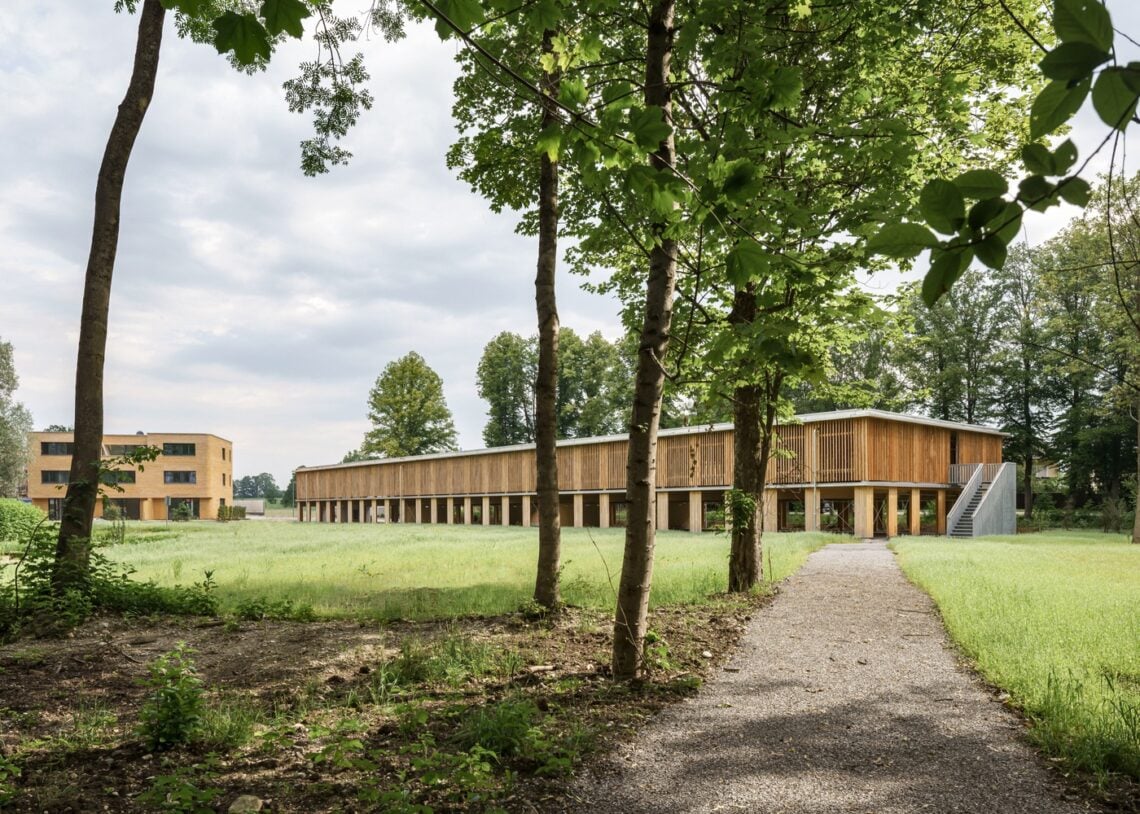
(259, 608)
(228, 513)
(18, 519)
(505, 729)
(182, 513)
(172, 712)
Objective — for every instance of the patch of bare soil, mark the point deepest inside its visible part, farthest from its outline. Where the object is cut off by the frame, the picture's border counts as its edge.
(340, 716)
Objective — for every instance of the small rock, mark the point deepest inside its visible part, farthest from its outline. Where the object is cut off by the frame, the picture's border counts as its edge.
(245, 804)
(707, 654)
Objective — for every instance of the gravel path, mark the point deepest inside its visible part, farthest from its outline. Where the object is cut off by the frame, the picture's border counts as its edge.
(843, 697)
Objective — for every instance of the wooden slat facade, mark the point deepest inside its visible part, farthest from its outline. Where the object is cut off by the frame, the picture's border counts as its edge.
(848, 449)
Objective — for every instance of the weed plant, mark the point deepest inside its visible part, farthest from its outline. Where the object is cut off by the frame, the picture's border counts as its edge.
(1052, 619)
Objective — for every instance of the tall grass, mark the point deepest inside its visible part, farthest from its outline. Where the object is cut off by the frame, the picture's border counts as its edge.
(419, 572)
(1054, 619)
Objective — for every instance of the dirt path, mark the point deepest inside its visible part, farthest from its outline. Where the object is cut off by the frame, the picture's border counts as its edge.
(843, 697)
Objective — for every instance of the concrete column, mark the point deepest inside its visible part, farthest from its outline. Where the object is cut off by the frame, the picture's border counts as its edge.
(419, 510)
(892, 512)
(604, 510)
(579, 511)
(526, 510)
(505, 509)
(864, 511)
(662, 499)
(811, 509)
(915, 512)
(771, 510)
(941, 511)
(486, 517)
(696, 513)
(467, 511)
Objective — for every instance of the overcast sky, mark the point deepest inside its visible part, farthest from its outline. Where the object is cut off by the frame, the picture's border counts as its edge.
(250, 301)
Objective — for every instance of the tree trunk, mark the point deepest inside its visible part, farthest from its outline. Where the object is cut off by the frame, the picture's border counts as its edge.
(746, 505)
(649, 381)
(73, 549)
(546, 381)
(1136, 503)
(1027, 422)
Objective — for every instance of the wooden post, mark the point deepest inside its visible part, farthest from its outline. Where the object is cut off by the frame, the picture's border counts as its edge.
(419, 510)
(915, 512)
(696, 513)
(941, 511)
(485, 515)
(892, 513)
(467, 511)
(505, 518)
(449, 508)
(811, 509)
(526, 510)
(603, 511)
(387, 510)
(864, 512)
(771, 510)
(662, 501)
(579, 511)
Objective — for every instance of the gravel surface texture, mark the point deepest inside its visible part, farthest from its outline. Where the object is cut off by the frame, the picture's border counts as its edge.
(845, 696)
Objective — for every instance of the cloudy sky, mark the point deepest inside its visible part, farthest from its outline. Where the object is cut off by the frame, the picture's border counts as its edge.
(250, 301)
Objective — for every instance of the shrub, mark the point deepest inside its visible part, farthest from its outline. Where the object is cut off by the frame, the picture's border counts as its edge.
(172, 712)
(18, 519)
(182, 513)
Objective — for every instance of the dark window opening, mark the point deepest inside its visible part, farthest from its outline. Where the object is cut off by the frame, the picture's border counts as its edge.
(121, 449)
(54, 476)
(55, 508)
(112, 477)
(56, 447)
(179, 449)
(953, 448)
(177, 502)
(174, 476)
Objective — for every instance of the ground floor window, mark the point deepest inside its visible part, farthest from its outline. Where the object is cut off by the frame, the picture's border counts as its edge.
(121, 508)
(55, 508)
(182, 508)
(837, 515)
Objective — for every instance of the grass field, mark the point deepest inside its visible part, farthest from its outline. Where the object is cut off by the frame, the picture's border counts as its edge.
(1053, 619)
(420, 572)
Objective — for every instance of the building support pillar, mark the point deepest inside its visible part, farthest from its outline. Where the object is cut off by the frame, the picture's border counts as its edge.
(485, 515)
(915, 512)
(864, 512)
(892, 513)
(450, 509)
(696, 513)
(505, 510)
(467, 511)
(433, 511)
(419, 510)
(771, 515)
(811, 509)
(526, 510)
(604, 510)
(387, 510)
(579, 511)
(941, 511)
(662, 501)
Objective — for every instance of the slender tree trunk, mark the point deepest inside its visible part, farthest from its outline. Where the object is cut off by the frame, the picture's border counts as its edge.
(649, 381)
(1136, 504)
(73, 549)
(1027, 422)
(744, 560)
(546, 382)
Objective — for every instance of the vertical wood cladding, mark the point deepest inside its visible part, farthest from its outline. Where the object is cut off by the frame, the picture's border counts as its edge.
(841, 450)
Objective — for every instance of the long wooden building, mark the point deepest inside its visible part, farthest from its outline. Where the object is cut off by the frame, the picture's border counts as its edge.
(863, 472)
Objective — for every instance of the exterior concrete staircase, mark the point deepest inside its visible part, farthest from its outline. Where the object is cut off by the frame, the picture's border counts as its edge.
(964, 527)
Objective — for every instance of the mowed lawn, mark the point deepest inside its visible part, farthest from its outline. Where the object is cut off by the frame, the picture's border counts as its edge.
(1053, 619)
(422, 572)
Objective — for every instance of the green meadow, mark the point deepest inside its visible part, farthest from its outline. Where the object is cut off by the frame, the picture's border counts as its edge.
(1054, 620)
(425, 572)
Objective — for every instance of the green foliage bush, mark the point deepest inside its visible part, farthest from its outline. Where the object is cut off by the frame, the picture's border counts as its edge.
(17, 519)
(172, 712)
(182, 513)
(228, 513)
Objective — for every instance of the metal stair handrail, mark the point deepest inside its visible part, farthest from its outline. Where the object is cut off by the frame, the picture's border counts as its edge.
(968, 492)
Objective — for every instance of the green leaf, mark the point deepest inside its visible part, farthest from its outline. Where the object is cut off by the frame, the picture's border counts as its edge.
(620, 93)
(991, 251)
(1113, 100)
(981, 184)
(945, 268)
(1083, 21)
(1132, 76)
(1065, 157)
(747, 261)
(544, 16)
(1034, 188)
(285, 15)
(549, 141)
(243, 34)
(648, 127)
(572, 92)
(1072, 60)
(1055, 105)
(465, 14)
(983, 212)
(942, 205)
(1007, 223)
(1038, 160)
(901, 240)
(742, 181)
(1075, 191)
